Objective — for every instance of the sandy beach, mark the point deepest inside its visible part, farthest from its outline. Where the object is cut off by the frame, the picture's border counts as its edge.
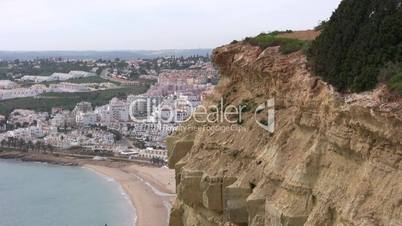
(151, 190)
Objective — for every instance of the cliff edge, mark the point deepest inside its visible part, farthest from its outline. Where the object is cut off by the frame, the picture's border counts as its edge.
(333, 159)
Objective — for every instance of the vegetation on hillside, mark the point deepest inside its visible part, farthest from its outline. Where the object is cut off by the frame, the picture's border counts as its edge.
(287, 45)
(395, 83)
(47, 101)
(44, 67)
(359, 40)
(321, 25)
(91, 79)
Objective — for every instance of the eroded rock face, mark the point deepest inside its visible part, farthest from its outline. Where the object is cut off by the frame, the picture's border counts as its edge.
(329, 161)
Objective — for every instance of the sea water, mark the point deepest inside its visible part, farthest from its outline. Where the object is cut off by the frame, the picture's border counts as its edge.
(37, 194)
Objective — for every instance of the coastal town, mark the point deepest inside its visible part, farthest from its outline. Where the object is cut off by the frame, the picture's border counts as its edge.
(131, 126)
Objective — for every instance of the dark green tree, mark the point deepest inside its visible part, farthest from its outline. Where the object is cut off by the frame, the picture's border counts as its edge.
(356, 43)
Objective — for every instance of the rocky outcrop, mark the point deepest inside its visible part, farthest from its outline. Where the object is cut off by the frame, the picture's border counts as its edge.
(332, 160)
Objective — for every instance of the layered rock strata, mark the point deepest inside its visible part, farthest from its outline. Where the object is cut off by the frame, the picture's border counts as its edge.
(328, 162)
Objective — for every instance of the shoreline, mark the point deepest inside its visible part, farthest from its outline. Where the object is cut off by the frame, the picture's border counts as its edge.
(147, 200)
(151, 190)
(87, 167)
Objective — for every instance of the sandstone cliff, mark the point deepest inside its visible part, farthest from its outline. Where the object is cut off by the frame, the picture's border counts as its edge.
(332, 160)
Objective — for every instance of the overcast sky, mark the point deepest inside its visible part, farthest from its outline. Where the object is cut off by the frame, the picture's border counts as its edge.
(148, 24)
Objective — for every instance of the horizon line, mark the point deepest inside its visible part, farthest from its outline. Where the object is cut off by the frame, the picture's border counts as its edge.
(117, 50)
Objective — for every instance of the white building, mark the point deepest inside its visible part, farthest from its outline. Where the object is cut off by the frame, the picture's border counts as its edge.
(37, 79)
(7, 84)
(57, 76)
(23, 116)
(104, 115)
(66, 87)
(86, 119)
(138, 104)
(22, 92)
(83, 107)
(27, 134)
(58, 120)
(61, 76)
(150, 153)
(118, 110)
(81, 74)
(36, 131)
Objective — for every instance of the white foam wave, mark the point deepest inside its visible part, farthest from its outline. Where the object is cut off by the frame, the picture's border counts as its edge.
(154, 190)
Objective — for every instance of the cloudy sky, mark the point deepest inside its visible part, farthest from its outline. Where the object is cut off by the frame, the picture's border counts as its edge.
(148, 24)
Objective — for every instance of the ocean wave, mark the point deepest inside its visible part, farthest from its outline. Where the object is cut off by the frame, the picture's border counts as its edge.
(121, 189)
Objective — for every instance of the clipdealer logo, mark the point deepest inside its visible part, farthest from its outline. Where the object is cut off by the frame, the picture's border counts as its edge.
(167, 112)
(269, 123)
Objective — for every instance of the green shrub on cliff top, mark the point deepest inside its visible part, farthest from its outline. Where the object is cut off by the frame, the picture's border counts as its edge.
(395, 83)
(361, 37)
(287, 45)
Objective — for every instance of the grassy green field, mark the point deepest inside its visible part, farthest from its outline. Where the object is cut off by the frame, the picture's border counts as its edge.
(47, 101)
